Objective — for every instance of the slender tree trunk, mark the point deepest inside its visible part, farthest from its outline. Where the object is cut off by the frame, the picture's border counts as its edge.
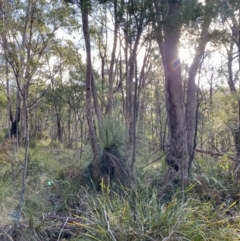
(233, 90)
(96, 105)
(238, 46)
(181, 121)
(162, 121)
(59, 126)
(22, 88)
(141, 89)
(103, 56)
(132, 91)
(81, 138)
(25, 162)
(5, 43)
(177, 157)
(111, 76)
(89, 75)
(8, 92)
(25, 114)
(134, 124)
(191, 103)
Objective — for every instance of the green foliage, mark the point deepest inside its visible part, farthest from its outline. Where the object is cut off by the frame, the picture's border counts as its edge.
(112, 218)
(192, 11)
(114, 133)
(159, 211)
(3, 96)
(8, 201)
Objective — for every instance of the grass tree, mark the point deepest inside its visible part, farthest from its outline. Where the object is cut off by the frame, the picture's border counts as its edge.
(112, 162)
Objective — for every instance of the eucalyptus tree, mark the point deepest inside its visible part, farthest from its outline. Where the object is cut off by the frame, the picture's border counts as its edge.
(66, 92)
(229, 38)
(31, 26)
(29, 29)
(4, 18)
(106, 35)
(135, 51)
(171, 19)
(85, 7)
(136, 30)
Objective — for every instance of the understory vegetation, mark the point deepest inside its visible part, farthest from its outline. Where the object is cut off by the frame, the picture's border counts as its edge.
(61, 202)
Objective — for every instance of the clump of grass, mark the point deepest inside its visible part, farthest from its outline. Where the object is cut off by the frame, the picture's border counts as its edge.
(111, 217)
(53, 187)
(47, 191)
(8, 201)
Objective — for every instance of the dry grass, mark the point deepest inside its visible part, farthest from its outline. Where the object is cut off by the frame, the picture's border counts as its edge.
(59, 203)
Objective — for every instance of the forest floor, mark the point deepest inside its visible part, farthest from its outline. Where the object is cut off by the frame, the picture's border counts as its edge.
(60, 202)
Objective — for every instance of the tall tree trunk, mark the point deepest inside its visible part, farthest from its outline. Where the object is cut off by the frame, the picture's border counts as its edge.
(177, 156)
(191, 103)
(24, 94)
(23, 88)
(146, 67)
(69, 134)
(233, 90)
(181, 121)
(8, 91)
(110, 89)
(235, 39)
(59, 126)
(89, 76)
(4, 11)
(132, 110)
(238, 46)
(25, 162)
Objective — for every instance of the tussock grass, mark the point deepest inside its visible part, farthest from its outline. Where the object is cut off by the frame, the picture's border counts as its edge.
(111, 217)
(208, 210)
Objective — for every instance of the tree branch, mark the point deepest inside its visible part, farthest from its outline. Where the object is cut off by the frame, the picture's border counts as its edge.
(215, 153)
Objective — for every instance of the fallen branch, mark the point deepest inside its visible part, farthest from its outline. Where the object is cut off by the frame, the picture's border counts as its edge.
(108, 225)
(215, 153)
(64, 225)
(159, 158)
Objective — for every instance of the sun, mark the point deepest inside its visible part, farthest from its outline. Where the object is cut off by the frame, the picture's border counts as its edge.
(185, 54)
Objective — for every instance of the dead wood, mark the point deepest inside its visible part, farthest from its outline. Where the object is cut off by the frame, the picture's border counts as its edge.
(215, 153)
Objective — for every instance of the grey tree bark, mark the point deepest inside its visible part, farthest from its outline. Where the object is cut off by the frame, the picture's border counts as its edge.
(89, 82)
(181, 119)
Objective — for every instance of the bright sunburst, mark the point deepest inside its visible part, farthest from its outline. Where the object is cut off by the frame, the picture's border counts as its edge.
(185, 54)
